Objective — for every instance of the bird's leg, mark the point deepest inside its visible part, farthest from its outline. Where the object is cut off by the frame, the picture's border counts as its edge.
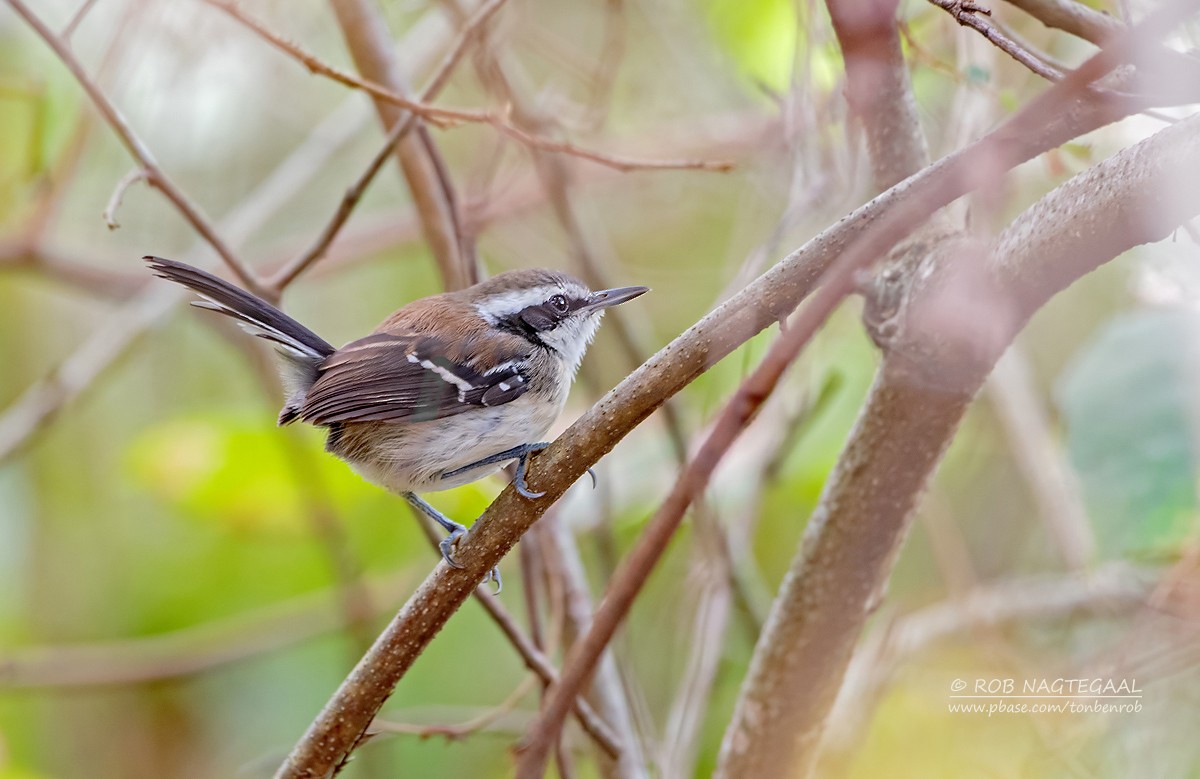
(455, 530)
(521, 455)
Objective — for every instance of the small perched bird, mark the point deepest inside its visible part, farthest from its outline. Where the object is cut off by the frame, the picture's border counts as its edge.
(446, 391)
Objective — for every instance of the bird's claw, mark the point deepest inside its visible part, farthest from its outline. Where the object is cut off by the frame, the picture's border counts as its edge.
(524, 491)
(494, 576)
(447, 546)
(519, 482)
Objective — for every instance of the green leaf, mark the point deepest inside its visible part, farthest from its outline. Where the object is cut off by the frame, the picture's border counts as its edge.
(1128, 402)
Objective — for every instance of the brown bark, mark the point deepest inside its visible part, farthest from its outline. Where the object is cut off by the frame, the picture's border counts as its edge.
(931, 371)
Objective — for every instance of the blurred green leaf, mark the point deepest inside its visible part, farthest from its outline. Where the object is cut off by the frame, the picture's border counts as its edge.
(1128, 401)
(759, 34)
(236, 473)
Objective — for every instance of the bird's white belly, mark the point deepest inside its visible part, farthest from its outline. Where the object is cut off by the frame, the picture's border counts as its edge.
(412, 457)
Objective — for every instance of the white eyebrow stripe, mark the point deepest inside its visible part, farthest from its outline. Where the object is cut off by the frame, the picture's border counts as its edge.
(497, 307)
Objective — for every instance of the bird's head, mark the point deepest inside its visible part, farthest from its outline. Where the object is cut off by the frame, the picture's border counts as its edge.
(547, 307)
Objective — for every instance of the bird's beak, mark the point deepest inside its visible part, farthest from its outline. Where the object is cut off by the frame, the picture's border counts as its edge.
(607, 298)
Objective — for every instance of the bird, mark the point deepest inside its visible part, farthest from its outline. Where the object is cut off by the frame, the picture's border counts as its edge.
(445, 391)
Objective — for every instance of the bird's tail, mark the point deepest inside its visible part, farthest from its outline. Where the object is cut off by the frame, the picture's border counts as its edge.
(301, 349)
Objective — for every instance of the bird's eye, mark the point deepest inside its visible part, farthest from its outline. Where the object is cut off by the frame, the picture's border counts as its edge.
(559, 304)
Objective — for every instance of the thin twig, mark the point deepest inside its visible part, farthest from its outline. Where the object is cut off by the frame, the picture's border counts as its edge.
(136, 148)
(287, 274)
(1073, 17)
(462, 729)
(971, 14)
(77, 17)
(114, 202)
(444, 116)
(535, 660)
(439, 116)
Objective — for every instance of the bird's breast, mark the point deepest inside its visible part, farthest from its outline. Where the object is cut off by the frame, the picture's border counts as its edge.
(412, 456)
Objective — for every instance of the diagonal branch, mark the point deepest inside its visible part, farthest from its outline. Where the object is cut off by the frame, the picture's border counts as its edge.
(1072, 17)
(879, 92)
(1058, 115)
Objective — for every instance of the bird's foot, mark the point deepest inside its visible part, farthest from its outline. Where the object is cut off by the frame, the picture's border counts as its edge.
(455, 531)
(447, 546)
(521, 455)
(519, 480)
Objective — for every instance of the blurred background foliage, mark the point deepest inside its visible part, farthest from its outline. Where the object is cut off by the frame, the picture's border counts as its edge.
(164, 506)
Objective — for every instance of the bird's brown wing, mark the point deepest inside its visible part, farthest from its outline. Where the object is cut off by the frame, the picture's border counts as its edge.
(409, 377)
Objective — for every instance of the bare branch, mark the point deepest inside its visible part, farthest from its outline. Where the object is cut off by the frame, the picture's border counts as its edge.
(138, 150)
(970, 14)
(77, 17)
(1073, 17)
(878, 87)
(444, 116)
(909, 419)
(535, 659)
(463, 729)
(537, 662)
